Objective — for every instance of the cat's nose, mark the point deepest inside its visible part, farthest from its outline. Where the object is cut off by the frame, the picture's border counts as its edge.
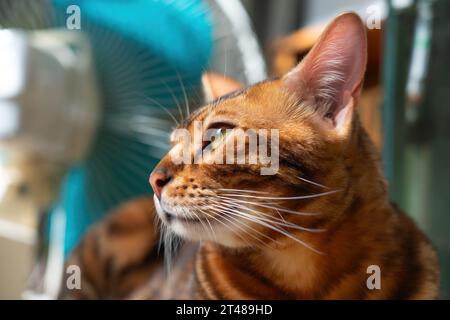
(158, 179)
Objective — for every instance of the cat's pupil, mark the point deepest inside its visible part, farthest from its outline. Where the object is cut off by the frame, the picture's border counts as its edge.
(220, 131)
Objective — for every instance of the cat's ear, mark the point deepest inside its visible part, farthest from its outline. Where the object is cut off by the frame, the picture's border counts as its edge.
(216, 85)
(330, 77)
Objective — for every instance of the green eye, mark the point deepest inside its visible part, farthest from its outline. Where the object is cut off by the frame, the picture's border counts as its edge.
(217, 133)
(219, 137)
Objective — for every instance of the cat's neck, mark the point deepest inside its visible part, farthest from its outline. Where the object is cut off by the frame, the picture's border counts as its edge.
(290, 270)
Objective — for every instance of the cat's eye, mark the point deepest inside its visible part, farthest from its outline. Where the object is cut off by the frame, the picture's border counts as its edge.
(219, 137)
(218, 134)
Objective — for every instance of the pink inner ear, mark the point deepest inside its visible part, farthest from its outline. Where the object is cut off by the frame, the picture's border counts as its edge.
(333, 71)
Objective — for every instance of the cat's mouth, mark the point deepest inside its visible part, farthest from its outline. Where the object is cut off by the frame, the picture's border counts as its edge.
(185, 219)
(169, 217)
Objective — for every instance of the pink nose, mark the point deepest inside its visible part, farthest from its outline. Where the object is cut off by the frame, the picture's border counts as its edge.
(158, 179)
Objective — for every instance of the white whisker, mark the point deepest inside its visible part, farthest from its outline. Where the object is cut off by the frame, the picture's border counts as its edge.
(186, 100)
(276, 220)
(283, 198)
(245, 191)
(268, 225)
(265, 205)
(313, 183)
(221, 209)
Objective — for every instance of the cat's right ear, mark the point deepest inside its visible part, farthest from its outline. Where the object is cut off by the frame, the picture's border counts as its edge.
(330, 77)
(216, 85)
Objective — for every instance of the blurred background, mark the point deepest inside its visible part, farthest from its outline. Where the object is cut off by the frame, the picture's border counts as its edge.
(89, 91)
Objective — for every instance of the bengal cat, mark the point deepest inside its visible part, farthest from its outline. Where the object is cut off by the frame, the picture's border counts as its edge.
(311, 230)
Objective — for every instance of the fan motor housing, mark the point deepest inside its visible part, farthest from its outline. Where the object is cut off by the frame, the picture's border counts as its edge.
(49, 101)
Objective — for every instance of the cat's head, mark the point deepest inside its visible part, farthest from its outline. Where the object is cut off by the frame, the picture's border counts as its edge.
(309, 122)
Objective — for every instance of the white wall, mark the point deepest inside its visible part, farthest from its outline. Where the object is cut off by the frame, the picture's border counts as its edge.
(321, 11)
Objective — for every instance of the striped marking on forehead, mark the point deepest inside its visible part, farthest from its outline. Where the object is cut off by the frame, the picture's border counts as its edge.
(197, 113)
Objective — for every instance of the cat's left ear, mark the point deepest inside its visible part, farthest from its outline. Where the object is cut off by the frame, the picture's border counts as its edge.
(330, 77)
(216, 85)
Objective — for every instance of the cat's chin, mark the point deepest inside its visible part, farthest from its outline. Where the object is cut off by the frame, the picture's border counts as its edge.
(197, 232)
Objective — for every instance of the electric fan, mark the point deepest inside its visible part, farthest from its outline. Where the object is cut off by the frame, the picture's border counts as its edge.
(99, 101)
